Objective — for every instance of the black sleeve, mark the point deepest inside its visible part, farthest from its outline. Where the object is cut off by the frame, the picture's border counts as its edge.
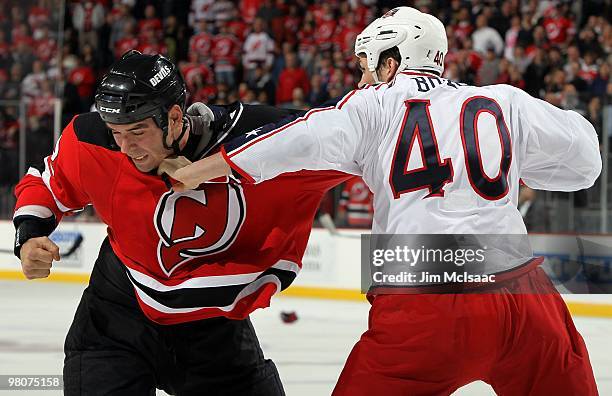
(255, 116)
(28, 226)
(237, 119)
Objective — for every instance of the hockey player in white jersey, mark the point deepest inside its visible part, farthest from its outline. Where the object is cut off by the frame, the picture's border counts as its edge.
(441, 158)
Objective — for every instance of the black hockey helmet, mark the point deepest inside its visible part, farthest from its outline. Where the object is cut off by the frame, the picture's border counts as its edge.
(140, 86)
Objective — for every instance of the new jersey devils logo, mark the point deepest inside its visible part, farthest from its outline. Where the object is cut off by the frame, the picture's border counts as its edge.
(197, 223)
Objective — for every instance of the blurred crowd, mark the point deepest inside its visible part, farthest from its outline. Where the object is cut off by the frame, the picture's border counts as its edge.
(294, 54)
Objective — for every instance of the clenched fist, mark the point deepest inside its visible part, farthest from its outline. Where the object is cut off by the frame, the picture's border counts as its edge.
(37, 255)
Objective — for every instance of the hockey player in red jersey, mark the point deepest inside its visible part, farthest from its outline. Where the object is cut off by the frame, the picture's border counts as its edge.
(517, 334)
(168, 302)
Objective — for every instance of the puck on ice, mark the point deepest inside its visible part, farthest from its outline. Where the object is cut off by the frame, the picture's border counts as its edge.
(288, 317)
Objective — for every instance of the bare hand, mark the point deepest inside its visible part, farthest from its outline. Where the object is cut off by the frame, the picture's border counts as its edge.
(37, 256)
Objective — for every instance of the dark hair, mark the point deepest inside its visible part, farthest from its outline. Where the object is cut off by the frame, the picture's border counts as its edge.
(392, 52)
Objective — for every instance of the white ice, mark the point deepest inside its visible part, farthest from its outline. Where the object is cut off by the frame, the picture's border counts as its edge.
(310, 353)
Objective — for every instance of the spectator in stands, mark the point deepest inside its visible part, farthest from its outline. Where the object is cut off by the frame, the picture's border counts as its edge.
(516, 77)
(172, 34)
(272, 16)
(226, 55)
(45, 46)
(291, 24)
(150, 22)
(201, 43)
(599, 84)
(149, 42)
(128, 39)
(318, 91)
(258, 49)
(223, 11)
(87, 18)
(42, 105)
(555, 84)
(84, 78)
(520, 59)
(120, 19)
(489, 71)
(485, 37)
(23, 53)
(298, 101)
(555, 58)
(5, 52)
(573, 77)
(261, 81)
(12, 88)
(325, 28)
(201, 10)
(39, 142)
(355, 208)
(91, 58)
(30, 85)
(291, 77)
(535, 74)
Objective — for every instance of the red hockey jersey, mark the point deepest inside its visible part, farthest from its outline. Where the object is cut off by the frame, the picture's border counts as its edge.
(222, 250)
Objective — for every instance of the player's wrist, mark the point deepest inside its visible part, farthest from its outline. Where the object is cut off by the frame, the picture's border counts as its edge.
(28, 227)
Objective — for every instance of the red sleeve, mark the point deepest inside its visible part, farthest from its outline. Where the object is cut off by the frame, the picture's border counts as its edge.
(57, 185)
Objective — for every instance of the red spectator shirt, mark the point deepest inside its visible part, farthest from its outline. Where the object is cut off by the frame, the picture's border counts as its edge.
(291, 27)
(201, 44)
(152, 48)
(346, 38)
(558, 29)
(205, 94)
(41, 105)
(5, 50)
(84, 78)
(45, 49)
(124, 45)
(288, 80)
(38, 16)
(324, 33)
(152, 23)
(306, 41)
(191, 70)
(238, 28)
(226, 52)
(463, 30)
(222, 250)
(248, 9)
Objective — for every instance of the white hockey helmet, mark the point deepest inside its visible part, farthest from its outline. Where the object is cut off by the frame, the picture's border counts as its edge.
(420, 38)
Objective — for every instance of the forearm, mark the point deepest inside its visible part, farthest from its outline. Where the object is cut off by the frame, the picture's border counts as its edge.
(211, 167)
(191, 175)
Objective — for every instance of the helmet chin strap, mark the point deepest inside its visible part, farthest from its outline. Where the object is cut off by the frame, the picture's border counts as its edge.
(376, 78)
(174, 146)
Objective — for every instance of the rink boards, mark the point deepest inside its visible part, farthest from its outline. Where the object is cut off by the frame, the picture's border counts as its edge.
(331, 266)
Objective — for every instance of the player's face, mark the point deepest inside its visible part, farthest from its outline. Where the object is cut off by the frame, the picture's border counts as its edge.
(142, 143)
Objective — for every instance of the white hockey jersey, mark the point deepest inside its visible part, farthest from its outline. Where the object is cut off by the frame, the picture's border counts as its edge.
(441, 157)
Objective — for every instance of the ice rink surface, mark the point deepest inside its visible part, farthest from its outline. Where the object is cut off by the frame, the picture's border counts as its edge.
(310, 353)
